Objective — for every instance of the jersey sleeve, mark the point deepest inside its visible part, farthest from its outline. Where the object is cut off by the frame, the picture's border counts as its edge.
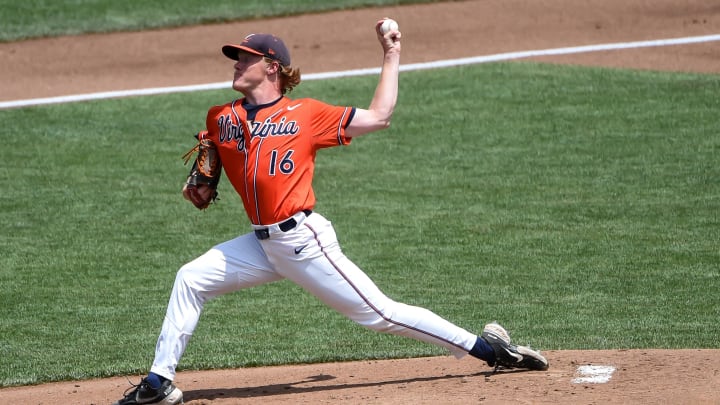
(211, 122)
(329, 124)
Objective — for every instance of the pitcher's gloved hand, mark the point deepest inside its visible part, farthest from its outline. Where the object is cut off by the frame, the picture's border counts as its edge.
(201, 185)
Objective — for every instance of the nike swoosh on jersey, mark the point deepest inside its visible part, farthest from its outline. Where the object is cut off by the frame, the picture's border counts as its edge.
(292, 107)
(300, 249)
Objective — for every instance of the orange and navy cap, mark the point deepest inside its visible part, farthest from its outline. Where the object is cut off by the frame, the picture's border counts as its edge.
(266, 45)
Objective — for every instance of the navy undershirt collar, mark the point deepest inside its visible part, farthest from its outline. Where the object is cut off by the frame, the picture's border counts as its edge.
(252, 109)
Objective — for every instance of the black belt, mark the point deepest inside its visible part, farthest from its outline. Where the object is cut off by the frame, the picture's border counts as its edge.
(291, 223)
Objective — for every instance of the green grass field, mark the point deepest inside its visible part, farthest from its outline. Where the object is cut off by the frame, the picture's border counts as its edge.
(577, 206)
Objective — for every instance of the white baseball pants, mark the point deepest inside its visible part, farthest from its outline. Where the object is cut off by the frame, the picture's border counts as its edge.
(320, 267)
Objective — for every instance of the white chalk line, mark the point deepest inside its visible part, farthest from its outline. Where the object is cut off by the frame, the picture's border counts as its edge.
(593, 374)
(371, 71)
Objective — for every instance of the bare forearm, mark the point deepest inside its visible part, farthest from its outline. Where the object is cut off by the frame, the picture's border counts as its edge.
(379, 113)
(386, 93)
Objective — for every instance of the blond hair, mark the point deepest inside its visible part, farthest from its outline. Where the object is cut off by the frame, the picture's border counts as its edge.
(289, 76)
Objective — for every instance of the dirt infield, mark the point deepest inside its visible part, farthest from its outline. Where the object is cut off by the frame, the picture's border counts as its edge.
(344, 40)
(641, 377)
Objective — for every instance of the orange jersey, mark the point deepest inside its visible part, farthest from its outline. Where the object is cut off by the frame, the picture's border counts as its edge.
(268, 152)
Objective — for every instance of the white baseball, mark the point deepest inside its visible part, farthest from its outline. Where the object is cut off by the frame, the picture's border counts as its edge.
(389, 25)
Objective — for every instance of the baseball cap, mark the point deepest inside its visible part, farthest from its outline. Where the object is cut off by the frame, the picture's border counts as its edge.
(260, 44)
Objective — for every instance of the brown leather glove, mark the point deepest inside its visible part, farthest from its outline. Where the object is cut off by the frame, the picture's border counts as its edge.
(201, 185)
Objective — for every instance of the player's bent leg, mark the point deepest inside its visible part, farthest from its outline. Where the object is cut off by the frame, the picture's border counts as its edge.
(230, 266)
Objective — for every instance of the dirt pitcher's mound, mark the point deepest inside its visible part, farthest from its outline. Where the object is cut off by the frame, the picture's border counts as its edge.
(621, 376)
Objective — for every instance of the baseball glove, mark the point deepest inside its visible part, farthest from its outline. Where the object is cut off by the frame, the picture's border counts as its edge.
(205, 172)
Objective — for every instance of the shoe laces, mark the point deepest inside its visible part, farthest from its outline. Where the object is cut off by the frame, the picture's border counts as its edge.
(135, 387)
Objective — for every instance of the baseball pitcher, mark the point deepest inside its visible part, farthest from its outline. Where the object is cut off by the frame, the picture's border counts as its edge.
(266, 143)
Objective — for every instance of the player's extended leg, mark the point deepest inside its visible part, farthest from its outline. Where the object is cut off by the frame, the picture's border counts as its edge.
(230, 266)
(311, 257)
(323, 270)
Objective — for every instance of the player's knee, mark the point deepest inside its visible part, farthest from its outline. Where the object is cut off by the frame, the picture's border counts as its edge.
(190, 285)
(185, 272)
(383, 327)
(379, 321)
(188, 276)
